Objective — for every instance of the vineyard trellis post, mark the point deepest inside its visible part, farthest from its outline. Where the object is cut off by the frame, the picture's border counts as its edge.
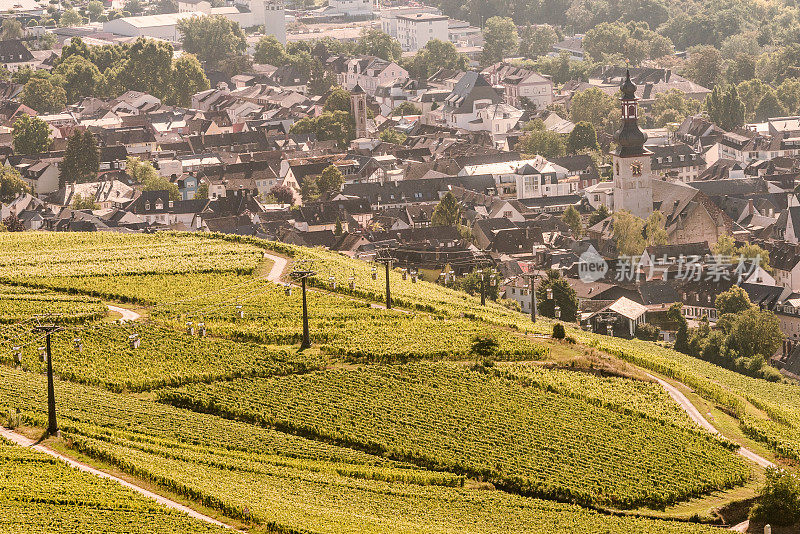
(483, 287)
(52, 423)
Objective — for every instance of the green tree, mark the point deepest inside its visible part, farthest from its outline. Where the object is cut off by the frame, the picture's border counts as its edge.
(593, 106)
(675, 316)
(673, 106)
(11, 184)
(471, 283)
(602, 213)
(167, 6)
(338, 126)
(755, 333)
(406, 108)
(725, 108)
(270, 51)
(134, 7)
(81, 78)
(735, 300)
(144, 173)
(751, 93)
(485, 347)
(543, 143)
(213, 39)
(31, 135)
(789, 94)
(779, 500)
(43, 96)
(338, 100)
(330, 180)
(447, 212)
(81, 159)
(187, 79)
(87, 203)
(563, 68)
(94, 8)
(391, 135)
(704, 65)
(148, 67)
(654, 232)
(536, 41)
(573, 219)
(433, 56)
(628, 233)
(202, 191)
(70, 17)
(500, 39)
(582, 136)
(11, 29)
(374, 42)
(769, 106)
(309, 190)
(563, 296)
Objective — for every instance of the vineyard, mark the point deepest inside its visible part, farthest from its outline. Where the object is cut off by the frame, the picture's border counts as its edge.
(285, 482)
(447, 418)
(384, 426)
(42, 494)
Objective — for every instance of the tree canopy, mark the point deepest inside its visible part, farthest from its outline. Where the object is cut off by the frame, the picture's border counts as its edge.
(31, 135)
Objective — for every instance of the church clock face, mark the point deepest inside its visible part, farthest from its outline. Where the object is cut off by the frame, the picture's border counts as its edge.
(636, 168)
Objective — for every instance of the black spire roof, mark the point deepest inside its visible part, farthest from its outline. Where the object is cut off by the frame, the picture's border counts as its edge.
(629, 138)
(628, 88)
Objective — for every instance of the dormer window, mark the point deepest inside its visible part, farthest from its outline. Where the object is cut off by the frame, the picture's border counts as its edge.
(159, 204)
(147, 206)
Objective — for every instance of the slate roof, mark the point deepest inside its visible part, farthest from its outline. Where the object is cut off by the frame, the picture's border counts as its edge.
(471, 87)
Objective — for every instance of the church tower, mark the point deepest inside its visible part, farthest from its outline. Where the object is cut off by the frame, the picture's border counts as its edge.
(358, 106)
(633, 179)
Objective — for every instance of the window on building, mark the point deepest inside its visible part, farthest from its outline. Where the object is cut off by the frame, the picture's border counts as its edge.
(636, 168)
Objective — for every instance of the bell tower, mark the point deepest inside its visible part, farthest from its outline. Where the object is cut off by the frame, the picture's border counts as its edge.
(633, 179)
(358, 106)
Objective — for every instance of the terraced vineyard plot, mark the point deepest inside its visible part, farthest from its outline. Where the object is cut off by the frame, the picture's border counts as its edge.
(48, 254)
(302, 498)
(344, 327)
(618, 394)
(164, 357)
(147, 289)
(527, 440)
(18, 304)
(39, 494)
(93, 411)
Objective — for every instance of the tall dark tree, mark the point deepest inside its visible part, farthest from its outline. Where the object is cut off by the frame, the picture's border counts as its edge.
(563, 296)
(725, 108)
(81, 159)
(581, 137)
(447, 212)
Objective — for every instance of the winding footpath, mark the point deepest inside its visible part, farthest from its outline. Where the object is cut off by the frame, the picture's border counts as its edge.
(127, 315)
(698, 418)
(27, 442)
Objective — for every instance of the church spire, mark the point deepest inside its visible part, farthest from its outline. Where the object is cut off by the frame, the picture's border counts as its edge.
(629, 138)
